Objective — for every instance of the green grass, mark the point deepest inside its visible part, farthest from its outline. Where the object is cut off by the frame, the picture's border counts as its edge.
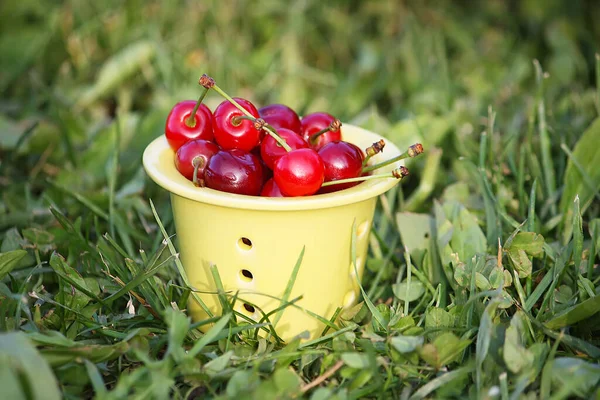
(482, 279)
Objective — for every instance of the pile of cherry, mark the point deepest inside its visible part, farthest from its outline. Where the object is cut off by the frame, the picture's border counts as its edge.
(270, 151)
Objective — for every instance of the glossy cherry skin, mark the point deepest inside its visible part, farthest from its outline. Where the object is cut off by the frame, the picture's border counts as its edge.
(342, 160)
(234, 171)
(244, 135)
(313, 123)
(270, 150)
(281, 116)
(178, 132)
(270, 189)
(299, 173)
(184, 159)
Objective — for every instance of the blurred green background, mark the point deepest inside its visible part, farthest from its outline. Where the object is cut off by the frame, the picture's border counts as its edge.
(411, 70)
(400, 58)
(86, 85)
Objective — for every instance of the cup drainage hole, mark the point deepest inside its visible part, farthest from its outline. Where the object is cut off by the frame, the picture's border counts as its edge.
(249, 308)
(244, 243)
(246, 275)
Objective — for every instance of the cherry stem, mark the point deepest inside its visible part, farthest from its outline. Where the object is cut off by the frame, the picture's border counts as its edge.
(191, 120)
(397, 174)
(269, 129)
(412, 151)
(333, 127)
(238, 119)
(375, 148)
(197, 162)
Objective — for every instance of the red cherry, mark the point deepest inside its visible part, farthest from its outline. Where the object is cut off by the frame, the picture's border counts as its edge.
(270, 189)
(231, 133)
(193, 152)
(315, 122)
(234, 171)
(299, 172)
(270, 150)
(281, 116)
(267, 172)
(177, 129)
(342, 160)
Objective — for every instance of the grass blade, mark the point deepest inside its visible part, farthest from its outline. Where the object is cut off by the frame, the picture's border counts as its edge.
(504, 386)
(548, 167)
(225, 306)
(549, 278)
(82, 199)
(290, 286)
(484, 337)
(577, 235)
(559, 268)
(575, 314)
(9, 260)
(572, 341)
(112, 175)
(585, 177)
(36, 377)
(326, 338)
(178, 262)
(531, 210)
(374, 311)
(210, 336)
(598, 83)
(592, 256)
(71, 276)
(440, 381)
(546, 381)
(136, 281)
(408, 277)
(95, 378)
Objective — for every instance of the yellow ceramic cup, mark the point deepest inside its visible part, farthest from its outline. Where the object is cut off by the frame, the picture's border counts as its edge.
(255, 242)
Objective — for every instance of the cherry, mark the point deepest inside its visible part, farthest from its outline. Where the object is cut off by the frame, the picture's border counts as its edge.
(181, 127)
(234, 171)
(267, 172)
(299, 172)
(281, 116)
(192, 155)
(270, 150)
(320, 128)
(270, 189)
(233, 129)
(259, 123)
(342, 160)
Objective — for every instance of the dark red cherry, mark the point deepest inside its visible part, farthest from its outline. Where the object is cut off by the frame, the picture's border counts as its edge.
(315, 122)
(194, 152)
(299, 172)
(270, 150)
(234, 133)
(342, 160)
(234, 171)
(281, 116)
(270, 189)
(180, 128)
